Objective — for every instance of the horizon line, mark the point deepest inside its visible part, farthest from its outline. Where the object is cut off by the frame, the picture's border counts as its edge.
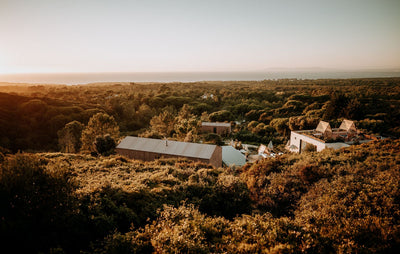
(271, 69)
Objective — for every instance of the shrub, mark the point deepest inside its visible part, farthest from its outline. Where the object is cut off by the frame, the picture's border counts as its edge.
(35, 205)
(105, 145)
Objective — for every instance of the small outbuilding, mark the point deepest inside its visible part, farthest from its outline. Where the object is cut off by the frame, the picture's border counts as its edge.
(149, 149)
(216, 127)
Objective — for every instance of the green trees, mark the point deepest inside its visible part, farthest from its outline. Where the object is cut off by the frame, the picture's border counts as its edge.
(162, 125)
(213, 138)
(303, 123)
(221, 116)
(99, 136)
(69, 138)
(343, 105)
(281, 125)
(183, 127)
(186, 125)
(99, 125)
(32, 116)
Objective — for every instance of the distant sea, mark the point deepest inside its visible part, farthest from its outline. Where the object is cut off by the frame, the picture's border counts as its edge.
(85, 78)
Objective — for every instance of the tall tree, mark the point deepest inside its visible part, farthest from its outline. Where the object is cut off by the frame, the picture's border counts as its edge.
(186, 125)
(69, 137)
(99, 125)
(163, 124)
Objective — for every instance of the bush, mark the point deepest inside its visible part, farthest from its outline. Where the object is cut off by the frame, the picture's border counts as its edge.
(221, 116)
(357, 214)
(105, 145)
(213, 138)
(131, 242)
(36, 206)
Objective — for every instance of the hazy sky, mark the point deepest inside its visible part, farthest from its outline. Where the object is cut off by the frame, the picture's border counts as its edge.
(218, 35)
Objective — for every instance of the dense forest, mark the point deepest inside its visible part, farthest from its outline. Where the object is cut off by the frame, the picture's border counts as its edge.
(32, 115)
(62, 190)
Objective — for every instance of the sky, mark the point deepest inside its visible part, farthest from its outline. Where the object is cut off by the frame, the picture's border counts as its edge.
(39, 36)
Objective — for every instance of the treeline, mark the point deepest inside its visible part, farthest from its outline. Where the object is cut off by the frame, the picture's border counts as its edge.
(344, 201)
(260, 111)
(31, 123)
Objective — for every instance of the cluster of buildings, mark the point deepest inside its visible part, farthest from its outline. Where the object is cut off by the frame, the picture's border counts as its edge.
(326, 137)
(148, 149)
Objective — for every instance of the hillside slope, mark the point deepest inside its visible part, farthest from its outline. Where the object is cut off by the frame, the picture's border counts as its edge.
(332, 201)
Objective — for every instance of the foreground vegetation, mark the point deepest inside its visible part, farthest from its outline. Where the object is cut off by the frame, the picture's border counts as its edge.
(333, 201)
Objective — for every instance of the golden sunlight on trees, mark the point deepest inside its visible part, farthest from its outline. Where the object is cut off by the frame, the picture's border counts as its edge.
(186, 125)
(183, 127)
(333, 201)
(99, 125)
(221, 116)
(162, 125)
(32, 116)
(69, 138)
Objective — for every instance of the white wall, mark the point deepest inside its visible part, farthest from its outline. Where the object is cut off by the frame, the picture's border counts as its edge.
(295, 140)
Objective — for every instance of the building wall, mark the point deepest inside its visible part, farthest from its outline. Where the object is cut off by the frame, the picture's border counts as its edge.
(296, 138)
(220, 130)
(215, 160)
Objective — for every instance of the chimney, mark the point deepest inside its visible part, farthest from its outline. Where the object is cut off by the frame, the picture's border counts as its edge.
(166, 142)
